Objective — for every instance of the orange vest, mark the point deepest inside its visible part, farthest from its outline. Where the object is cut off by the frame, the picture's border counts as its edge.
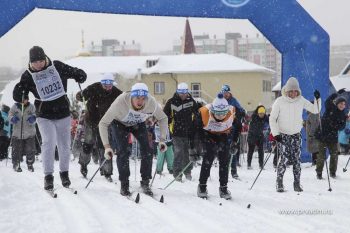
(217, 127)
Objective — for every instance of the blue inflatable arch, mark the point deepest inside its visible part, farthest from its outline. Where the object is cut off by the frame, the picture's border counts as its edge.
(304, 45)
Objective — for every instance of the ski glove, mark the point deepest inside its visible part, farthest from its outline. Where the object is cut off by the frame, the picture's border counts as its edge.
(278, 138)
(193, 155)
(341, 91)
(108, 153)
(31, 119)
(233, 148)
(14, 119)
(317, 94)
(162, 147)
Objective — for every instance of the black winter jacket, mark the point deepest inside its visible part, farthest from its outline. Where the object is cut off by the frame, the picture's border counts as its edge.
(55, 109)
(332, 121)
(256, 127)
(98, 101)
(182, 114)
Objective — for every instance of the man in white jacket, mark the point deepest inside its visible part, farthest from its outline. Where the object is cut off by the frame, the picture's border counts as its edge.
(129, 113)
(286, 121)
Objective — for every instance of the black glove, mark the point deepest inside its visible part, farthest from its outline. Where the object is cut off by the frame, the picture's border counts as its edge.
(193, 155)
(317, 94)
(278, 138)
(81, 76)
(341, 91)
(233, 148)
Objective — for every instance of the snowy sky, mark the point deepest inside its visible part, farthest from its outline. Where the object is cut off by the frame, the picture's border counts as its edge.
(62, 35)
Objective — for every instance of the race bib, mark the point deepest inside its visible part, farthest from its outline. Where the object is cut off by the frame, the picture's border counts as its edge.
(48, 84)
(134, 117)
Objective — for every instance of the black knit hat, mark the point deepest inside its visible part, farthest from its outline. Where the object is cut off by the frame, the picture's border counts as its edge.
(339, 100)
(36, 54)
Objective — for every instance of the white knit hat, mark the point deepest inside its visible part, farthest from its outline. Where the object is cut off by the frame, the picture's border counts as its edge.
(220, 105)
(139, 89)
(107, 79)
(292, 85)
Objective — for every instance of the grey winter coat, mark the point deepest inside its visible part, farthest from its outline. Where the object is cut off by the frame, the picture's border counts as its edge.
(312, 124)
(28, 128)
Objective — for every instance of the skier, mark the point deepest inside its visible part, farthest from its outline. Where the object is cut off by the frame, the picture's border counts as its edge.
(23, 135)
(333, 120)
(99, 97)
(312, 124)
(240, 114)
(128, 114)
(168, 155)
(215, 129)
(4, 132)
(256, 135)
(182, 110)
(286, 122)
(47, 80)
(344, 137)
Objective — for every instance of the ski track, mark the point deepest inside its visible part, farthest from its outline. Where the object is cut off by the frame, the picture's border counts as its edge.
(26, 207)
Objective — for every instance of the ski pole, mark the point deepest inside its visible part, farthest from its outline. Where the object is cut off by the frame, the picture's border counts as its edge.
(8, 151)
(344, 169)
(103, 163)
(267, 158)
(154, 176)
(180, 174)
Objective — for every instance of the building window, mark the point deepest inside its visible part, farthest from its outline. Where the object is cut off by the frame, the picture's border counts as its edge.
(196, 90)
(159, 88)
(150, 63)
(266, 86)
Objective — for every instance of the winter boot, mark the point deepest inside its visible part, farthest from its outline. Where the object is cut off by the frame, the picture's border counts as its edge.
(145, 187)
(48, 182)
(224, 193)
(202, 191)
(65, 179)
(171, 172)
(279, 186)
(249, 167)
(83, 170)
(124, 188)
(297, 187)
(30, 168)
(17, 167)
(179, 179)
(333, 175)
(319, 176)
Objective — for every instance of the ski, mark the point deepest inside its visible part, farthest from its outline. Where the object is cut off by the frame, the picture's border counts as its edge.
(130, 198)
(72, 190)
(52, 193)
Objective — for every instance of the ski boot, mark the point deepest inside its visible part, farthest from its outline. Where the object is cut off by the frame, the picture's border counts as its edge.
(48, 182)
(319, 176)
(30, 168)
(224, 193)
(234, 175)
(188, 176)
(109, 178)
(202, 191)
(17, 167)
(279, 186)
(124, 188)
(249, 167)
(297, 187)
(145, 187)
(333, 175)
(65, 179)
(83, 170)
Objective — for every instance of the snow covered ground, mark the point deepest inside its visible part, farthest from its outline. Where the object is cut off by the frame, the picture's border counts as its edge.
(26, 208)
